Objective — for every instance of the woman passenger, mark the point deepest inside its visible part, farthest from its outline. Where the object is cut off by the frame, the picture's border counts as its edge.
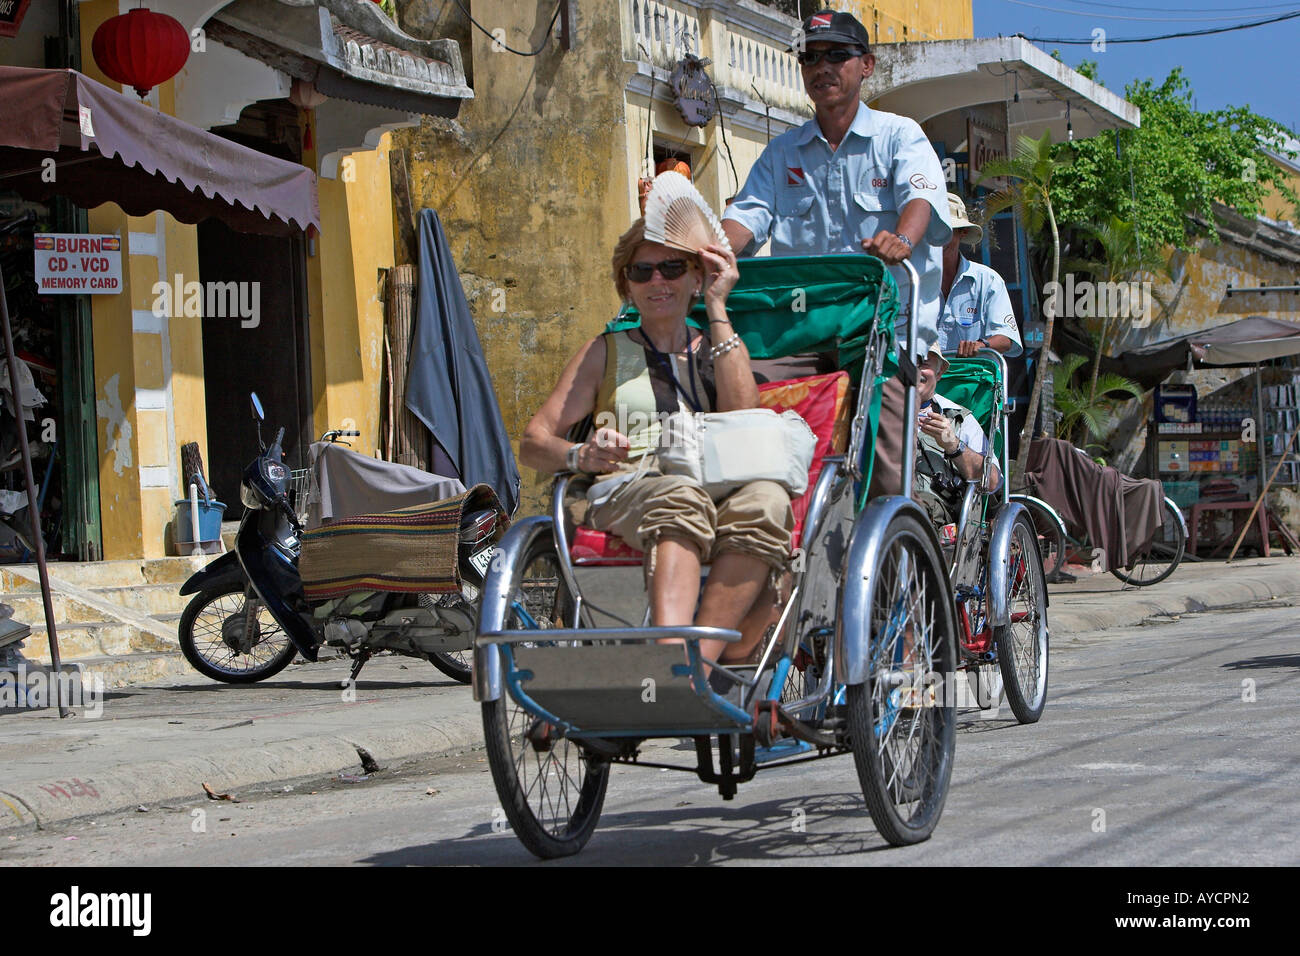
(631, 379)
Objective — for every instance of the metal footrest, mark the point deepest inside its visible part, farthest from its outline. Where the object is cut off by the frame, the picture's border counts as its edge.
(619, 690)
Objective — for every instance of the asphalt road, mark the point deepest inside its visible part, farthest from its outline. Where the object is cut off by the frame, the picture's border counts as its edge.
(1169, 744)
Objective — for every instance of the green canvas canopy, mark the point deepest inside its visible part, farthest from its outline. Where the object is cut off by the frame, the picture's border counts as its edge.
(975, 383)
(789, 305)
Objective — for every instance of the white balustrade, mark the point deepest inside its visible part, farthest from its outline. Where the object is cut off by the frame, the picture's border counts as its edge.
(663, 31)
(755, 65)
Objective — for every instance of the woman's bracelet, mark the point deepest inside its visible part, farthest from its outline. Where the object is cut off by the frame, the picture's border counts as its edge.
(725, 346)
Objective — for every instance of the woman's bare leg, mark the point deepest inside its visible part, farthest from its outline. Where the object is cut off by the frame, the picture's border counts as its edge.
(735, 582)
(754, 627)
(675, 584)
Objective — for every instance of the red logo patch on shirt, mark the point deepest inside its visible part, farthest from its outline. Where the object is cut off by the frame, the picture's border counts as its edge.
(819, 21)
(920, 182)
(794, 176)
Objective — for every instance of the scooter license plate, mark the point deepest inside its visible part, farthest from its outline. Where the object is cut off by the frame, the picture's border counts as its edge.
(482, 560)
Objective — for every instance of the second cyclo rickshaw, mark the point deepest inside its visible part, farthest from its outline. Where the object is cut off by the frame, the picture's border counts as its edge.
(861, 658)
(994, 561)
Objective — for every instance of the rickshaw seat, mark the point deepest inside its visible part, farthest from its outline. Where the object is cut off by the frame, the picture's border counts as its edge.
(822, 401)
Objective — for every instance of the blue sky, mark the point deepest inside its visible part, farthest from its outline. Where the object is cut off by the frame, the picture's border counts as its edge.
(1255, 67)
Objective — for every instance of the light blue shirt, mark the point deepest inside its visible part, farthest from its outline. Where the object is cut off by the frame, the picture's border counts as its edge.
(978, 306)
(809, 199)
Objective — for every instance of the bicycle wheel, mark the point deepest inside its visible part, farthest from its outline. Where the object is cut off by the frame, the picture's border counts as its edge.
(216, 638)
(458, 665)
(1158, 561)
(551, 791)
(984, 677)
(902, 720)
(1051, 542)
(1022, 642)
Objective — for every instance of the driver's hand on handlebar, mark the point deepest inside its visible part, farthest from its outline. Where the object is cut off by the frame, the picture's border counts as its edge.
(603, 452)
(969, 348)
(887, 247)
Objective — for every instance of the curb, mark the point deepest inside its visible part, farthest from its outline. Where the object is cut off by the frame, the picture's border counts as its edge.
(1168, 598)
(29, 803)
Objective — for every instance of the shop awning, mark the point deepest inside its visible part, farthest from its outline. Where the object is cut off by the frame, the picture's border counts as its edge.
(1233, 345)
(107, 147)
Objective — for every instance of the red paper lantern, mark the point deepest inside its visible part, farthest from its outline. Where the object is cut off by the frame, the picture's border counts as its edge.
(141, 48)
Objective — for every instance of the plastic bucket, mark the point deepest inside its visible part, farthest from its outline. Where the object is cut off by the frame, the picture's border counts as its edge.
(209, 521)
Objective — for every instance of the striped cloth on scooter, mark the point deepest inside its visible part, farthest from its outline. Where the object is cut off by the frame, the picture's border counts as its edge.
(411, 551)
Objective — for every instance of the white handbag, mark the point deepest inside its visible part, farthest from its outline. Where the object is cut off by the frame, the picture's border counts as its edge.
(724, 450)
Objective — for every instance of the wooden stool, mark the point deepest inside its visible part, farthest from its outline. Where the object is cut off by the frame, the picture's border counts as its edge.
(1261, 519)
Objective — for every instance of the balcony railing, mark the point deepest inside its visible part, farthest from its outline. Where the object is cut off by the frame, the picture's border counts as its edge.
(746, 42)
(663, 30)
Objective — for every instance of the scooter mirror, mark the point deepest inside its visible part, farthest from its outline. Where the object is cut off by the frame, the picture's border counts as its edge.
(257, 406)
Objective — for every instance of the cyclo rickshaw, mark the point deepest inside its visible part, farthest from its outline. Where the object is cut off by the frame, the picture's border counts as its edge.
(863, 654)
(1002, 632)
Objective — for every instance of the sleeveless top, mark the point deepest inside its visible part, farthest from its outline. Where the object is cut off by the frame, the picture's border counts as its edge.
(636, 392)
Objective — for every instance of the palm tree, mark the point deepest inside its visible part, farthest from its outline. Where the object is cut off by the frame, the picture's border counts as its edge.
(1123, 257)
(1087, 409)
(1029, 192)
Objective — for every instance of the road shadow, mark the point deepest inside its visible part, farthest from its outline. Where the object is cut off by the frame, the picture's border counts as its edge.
(976, 721)
(1263, 663)
(792, 829)
(325, 685)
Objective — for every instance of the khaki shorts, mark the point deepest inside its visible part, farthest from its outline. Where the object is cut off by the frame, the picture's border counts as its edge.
(755, 519)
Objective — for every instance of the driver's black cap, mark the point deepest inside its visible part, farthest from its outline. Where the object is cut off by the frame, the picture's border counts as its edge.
(827, 26)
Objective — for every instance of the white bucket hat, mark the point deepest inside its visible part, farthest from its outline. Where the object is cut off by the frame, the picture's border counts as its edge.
(943, 361)
(957, 213)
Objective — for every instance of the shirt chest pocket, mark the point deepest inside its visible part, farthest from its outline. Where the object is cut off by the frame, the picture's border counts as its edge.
(873, 202)
(794, 203)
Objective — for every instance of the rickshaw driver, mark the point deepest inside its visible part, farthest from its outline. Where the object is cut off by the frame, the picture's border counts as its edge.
(851, 179)
(977, 309)
(950, 442)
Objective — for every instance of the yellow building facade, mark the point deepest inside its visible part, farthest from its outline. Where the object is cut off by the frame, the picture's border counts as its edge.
(153, 391)
(539, 175)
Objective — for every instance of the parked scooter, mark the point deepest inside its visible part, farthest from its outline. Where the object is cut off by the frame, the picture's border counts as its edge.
(250, 616)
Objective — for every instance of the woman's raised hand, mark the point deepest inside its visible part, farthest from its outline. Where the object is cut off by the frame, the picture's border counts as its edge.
(603, 452)
(720, 272)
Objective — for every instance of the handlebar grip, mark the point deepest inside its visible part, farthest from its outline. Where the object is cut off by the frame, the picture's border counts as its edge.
(279, 436)
(350, 433)
(289, 513)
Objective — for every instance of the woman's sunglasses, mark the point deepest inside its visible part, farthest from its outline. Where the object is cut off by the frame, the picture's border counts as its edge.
(837, 55)
(644, 271)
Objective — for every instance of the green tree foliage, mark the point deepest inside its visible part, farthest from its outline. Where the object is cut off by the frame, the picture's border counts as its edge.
(1119, 256)
(1179, 163)
(1083, 415)
(1032, 172)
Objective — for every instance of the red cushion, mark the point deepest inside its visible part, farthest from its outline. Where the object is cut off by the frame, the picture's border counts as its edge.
(590, 546)
(822, 402)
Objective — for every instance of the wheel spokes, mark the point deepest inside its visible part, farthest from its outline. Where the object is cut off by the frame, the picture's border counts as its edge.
(903, 657)
(209, 641)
